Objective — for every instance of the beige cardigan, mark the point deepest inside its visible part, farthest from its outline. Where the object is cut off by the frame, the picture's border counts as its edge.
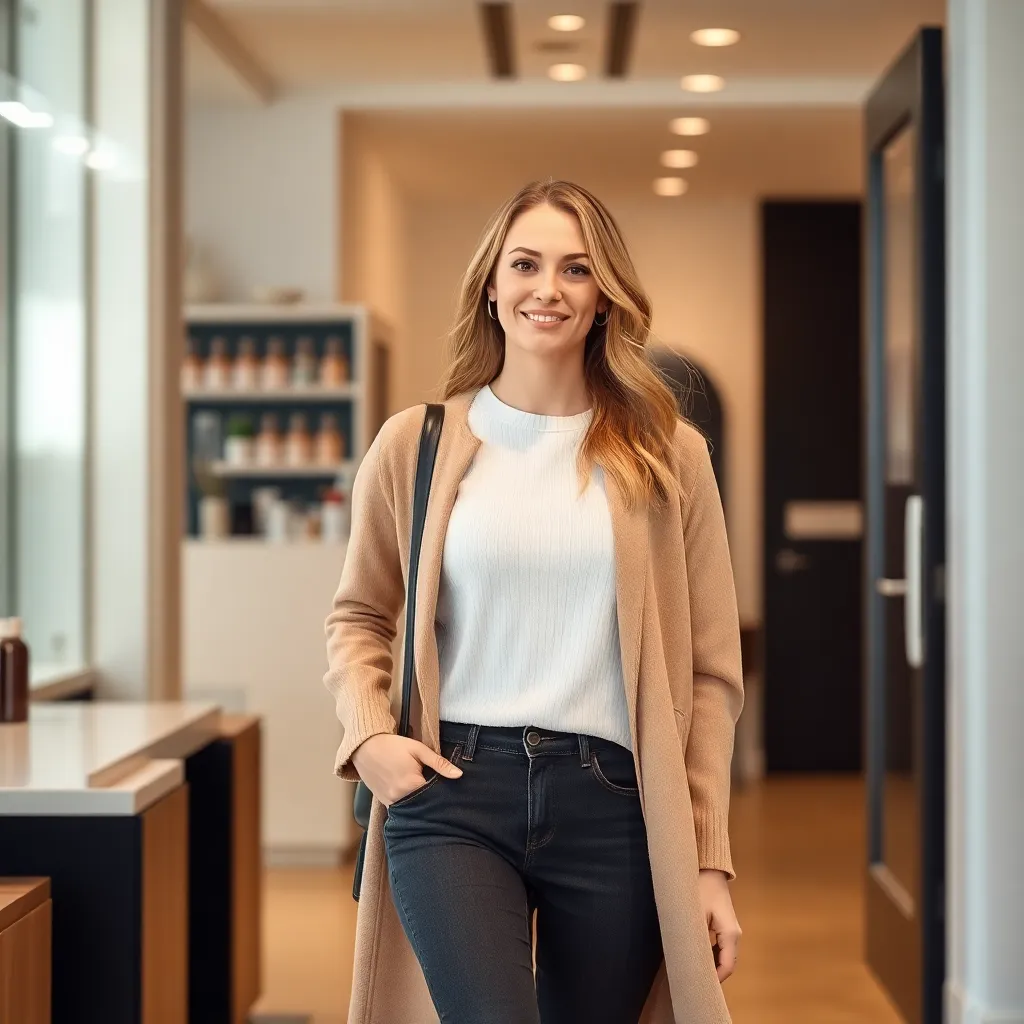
(680, 642)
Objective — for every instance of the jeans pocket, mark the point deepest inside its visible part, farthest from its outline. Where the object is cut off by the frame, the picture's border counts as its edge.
(431, 779)
(624, 778)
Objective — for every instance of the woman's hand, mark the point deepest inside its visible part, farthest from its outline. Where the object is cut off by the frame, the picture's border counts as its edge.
(716, 902)
(392, 766)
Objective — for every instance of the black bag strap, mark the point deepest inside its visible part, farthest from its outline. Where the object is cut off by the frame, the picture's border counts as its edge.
(430, 436)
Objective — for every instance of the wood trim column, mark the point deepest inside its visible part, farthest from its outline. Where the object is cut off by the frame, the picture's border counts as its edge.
(165, 908)
(243, 732)
(166, 346)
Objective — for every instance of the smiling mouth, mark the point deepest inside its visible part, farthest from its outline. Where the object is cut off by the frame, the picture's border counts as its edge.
(545, 318)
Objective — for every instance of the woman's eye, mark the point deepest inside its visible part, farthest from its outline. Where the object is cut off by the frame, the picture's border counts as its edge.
(522, 265)
(578, 271)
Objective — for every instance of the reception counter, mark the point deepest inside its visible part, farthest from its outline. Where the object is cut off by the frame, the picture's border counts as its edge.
(143, 816)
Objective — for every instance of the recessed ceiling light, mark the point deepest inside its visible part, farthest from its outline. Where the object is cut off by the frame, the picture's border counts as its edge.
(566, 22)
(567, 72)
(702, 83)
(689, 126)
(715, 36)
(669, 186)
(679, 158)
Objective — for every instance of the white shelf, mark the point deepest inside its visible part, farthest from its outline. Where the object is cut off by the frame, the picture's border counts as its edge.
(272, 313)
(311, 472)
(291, 395)
(257, 541)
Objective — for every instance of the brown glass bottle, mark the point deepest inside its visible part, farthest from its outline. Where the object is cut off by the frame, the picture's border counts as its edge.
(13, 672)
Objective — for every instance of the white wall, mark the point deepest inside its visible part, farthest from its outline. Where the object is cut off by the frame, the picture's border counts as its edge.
(261, 189)
(985, 495)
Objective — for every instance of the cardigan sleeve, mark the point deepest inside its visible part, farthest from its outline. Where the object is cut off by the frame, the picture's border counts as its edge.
(717, 670)
(361, 626)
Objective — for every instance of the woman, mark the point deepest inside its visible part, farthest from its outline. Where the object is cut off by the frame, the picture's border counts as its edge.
(577, 662)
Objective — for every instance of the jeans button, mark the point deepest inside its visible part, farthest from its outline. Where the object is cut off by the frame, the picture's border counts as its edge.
(533, 738)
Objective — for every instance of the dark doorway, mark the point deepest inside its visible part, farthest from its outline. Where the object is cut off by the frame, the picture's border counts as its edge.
(811, 259)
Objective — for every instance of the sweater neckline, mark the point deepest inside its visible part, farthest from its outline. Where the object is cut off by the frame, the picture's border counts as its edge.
(494, 408)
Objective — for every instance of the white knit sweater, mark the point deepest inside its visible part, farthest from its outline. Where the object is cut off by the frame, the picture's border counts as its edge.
(526, 615)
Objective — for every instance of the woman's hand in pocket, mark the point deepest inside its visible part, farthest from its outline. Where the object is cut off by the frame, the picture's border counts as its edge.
(392, 766)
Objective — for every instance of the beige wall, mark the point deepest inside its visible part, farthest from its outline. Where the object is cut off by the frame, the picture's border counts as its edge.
(373, 241)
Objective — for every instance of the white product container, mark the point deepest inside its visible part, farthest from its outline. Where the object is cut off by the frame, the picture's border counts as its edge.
(239, 451)
(278, 520)
(335, 522)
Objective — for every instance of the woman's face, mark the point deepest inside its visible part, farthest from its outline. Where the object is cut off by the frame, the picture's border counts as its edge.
(543, 285)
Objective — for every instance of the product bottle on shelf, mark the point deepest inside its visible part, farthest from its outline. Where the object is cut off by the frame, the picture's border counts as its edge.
(207, 437)
(13, 673)
(334, 517)
(275, 366)
(332, 368)
(299, 446)
(328, 441)
(304, 367)
(268, 441)
(246, 368)
(191, 368)
(217, 372)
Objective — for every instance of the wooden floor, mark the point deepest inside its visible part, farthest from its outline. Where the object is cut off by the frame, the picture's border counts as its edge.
(799, 848)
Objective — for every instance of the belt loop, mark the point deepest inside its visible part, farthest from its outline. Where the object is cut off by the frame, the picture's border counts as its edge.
(584, 750)
(470, 748)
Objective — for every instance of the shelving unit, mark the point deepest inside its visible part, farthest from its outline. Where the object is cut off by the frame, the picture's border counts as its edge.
(358, 406)
(293, 396)
(314, 472)
(253, 611)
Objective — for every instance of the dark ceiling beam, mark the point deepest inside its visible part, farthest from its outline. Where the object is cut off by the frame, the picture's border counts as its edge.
(622, 19)
(497, 26)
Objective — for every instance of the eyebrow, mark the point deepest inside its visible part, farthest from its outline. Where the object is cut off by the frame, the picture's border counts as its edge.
(533, 252)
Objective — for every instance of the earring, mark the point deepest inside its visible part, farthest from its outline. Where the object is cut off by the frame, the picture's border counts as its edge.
(494, 315)
(602, 323)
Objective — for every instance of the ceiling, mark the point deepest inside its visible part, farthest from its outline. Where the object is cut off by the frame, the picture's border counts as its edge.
(482, 154)
(311, 44)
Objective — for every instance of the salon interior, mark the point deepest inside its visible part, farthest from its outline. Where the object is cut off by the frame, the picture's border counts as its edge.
(231, 241)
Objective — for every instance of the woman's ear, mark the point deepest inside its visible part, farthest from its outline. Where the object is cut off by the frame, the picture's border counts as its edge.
(603, 305)
(492, 293)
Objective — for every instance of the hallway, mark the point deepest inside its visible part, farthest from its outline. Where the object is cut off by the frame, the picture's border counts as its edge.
(799, 850)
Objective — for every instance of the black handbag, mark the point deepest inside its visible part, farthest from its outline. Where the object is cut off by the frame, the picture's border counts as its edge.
(430, 435)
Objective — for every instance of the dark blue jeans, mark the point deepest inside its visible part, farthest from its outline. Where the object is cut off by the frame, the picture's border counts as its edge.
(539, 820)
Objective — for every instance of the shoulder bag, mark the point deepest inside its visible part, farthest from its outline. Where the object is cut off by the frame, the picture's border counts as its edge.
(430, 435)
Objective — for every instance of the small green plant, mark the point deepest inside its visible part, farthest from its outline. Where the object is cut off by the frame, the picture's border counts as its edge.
(241, 425)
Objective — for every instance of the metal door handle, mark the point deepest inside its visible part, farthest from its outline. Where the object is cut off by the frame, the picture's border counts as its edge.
(891, 588)
(913, 537)
(788, 561)
(909, 588)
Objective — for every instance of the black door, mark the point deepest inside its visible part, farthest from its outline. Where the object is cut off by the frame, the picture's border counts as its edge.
(905, 554)
(812, 485)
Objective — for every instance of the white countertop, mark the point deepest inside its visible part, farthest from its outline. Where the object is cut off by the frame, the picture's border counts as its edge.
(85, 758)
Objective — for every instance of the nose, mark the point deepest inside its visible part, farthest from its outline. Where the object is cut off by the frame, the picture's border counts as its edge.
(547, 289)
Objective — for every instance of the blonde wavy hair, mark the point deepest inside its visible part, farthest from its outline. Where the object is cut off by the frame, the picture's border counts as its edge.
(635, 411)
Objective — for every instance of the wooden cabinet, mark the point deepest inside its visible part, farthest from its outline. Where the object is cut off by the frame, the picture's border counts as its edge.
(225, 886)
(164, 913)
(25, 950)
